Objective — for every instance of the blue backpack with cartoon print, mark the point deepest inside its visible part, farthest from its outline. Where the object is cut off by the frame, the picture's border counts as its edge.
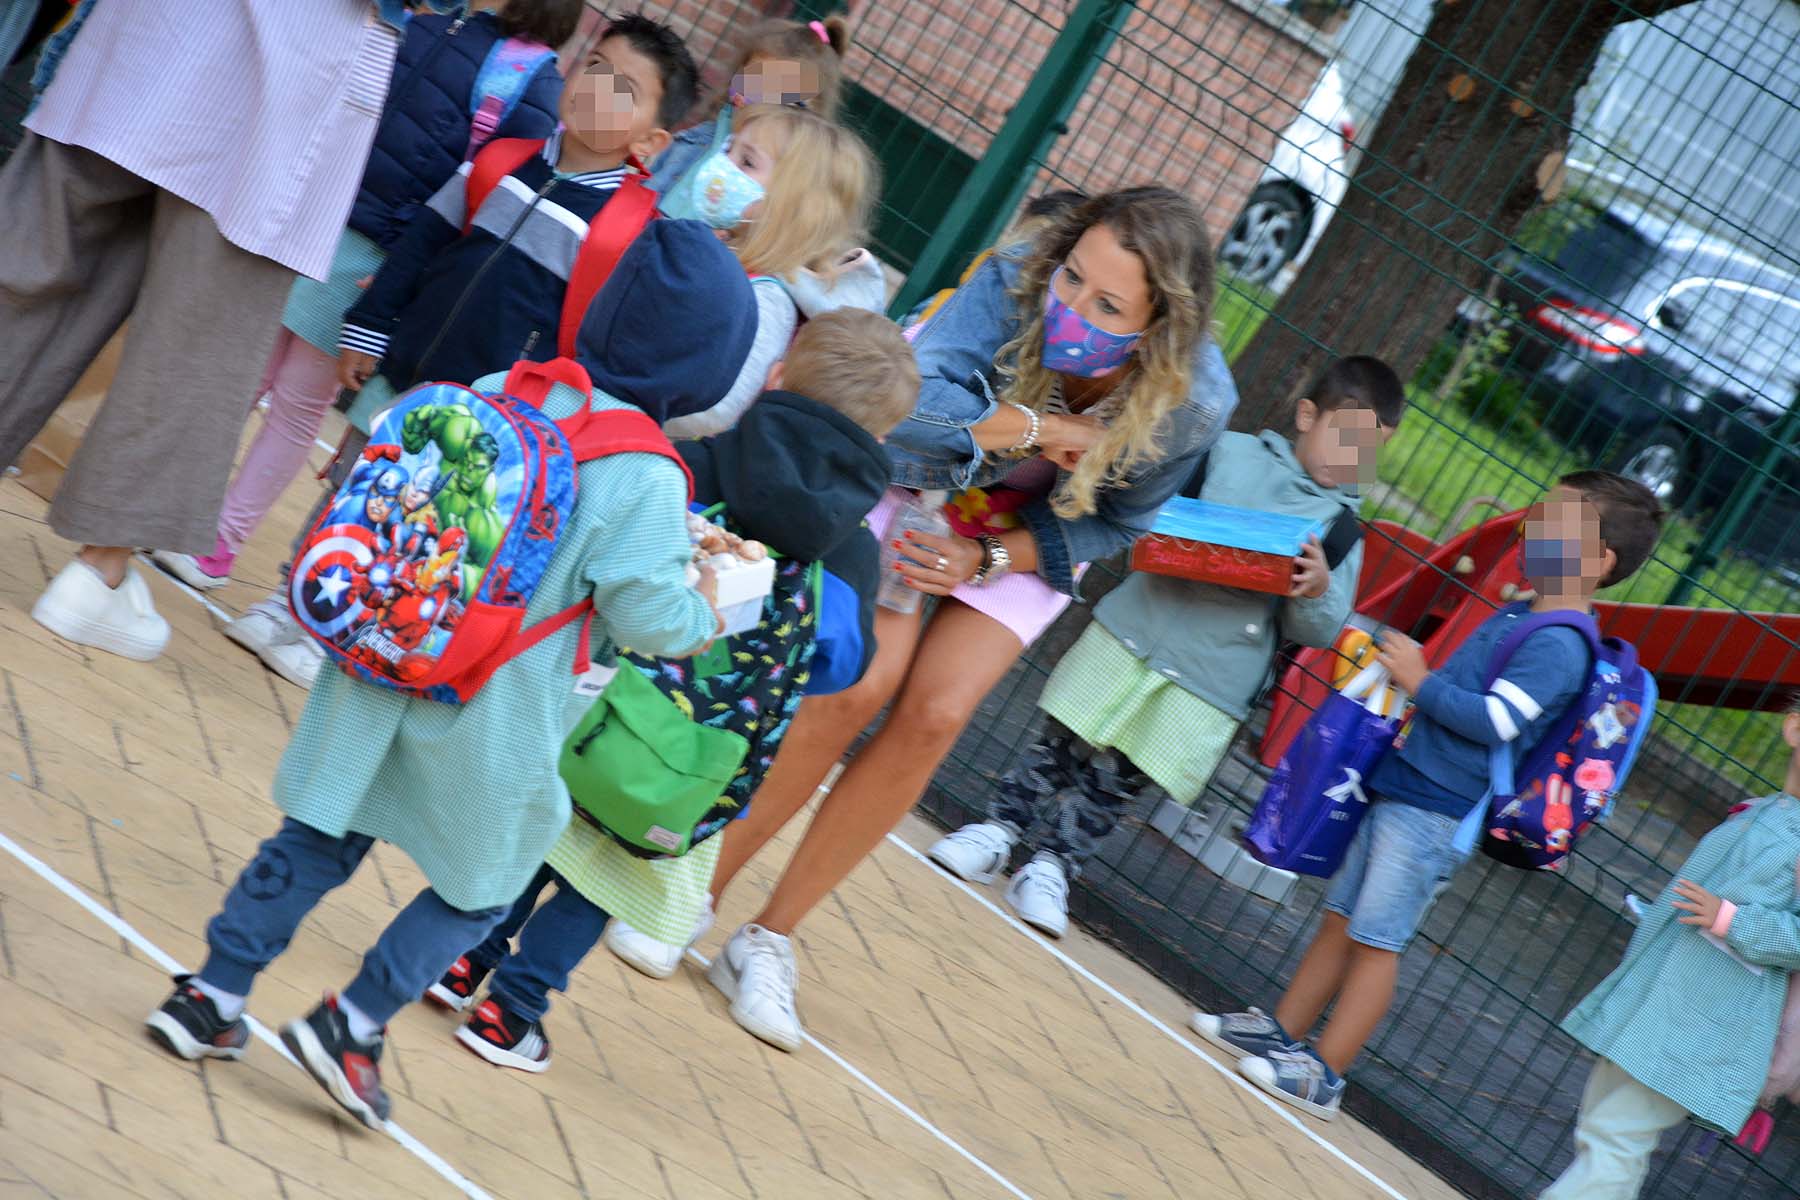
(1535, 813)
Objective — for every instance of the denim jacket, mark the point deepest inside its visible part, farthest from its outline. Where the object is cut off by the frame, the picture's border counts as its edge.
(933, 448)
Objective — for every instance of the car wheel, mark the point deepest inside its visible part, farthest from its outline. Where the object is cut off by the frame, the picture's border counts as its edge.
(1658, 458)
(1267, 234)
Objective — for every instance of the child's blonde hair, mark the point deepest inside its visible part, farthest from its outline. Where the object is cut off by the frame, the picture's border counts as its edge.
(818, 198)
(796, 41)
(858, 363)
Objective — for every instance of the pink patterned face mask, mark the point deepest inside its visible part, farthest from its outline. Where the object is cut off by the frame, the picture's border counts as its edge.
(1074, 346)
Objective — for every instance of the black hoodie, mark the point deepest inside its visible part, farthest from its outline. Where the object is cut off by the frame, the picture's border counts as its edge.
(800, 477)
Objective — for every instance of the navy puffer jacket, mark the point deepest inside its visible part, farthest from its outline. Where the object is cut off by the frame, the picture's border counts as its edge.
(424, 131)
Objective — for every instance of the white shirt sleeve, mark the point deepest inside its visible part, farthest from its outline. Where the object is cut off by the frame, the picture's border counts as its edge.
(776, 320)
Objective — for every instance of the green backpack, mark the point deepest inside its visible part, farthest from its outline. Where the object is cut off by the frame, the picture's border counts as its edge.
(642, 771)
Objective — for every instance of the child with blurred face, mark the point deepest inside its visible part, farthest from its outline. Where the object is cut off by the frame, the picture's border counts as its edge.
(612, 108)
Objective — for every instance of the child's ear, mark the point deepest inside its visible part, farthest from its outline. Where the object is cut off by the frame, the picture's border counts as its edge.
(651, 144)
(1306, 414)
(1790, 730)
(773, 383)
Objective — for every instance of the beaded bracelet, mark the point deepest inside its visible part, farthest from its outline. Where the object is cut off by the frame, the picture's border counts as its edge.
(1034, 424)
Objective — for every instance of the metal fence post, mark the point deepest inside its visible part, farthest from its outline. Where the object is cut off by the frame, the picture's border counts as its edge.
(987, 198)
(1737, 507)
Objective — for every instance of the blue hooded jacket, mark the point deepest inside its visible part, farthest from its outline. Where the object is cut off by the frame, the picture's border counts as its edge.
(424, 130)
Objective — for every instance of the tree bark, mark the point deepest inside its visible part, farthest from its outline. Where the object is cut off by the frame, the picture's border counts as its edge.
(1445, 179)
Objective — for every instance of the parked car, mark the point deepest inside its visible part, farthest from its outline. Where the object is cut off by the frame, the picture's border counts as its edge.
(1299, 189)
(1666, 351)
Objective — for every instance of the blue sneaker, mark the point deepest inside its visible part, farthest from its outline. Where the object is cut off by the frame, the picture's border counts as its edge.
(1299, 1077)
(1243, 1035)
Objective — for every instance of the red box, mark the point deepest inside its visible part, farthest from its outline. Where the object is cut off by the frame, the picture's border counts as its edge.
(1230, 566)
(1224, 544)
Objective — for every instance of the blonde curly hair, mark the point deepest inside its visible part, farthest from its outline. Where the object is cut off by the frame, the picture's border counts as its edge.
(1164, 229)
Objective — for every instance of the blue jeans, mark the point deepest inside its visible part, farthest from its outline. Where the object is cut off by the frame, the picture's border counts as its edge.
(1399, 863)
(290, 874)
(553, 940)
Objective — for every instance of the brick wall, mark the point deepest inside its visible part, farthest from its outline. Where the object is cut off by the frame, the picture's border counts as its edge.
(1192, 94)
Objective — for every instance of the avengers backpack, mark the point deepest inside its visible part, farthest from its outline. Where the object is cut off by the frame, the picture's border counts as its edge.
(1535, 813)
(417, 575)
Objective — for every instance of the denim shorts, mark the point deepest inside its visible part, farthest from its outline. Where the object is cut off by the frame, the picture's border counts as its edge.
(1400, 861)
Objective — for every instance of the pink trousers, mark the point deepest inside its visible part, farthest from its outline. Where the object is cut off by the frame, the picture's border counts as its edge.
(301, 382)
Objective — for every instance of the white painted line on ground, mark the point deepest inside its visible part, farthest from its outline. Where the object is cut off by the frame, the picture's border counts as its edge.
(921, 1121)
(217, 612)
(400, 1135)
(1275, 1106)
(155, 954)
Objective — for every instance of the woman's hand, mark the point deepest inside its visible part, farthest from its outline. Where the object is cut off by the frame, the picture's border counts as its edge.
(1311, 575)
(354, 368)
(1404, 661)
(935, 565)
(1064, 439)
(1696, 900)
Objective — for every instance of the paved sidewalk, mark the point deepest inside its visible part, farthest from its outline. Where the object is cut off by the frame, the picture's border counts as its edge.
(145, 787)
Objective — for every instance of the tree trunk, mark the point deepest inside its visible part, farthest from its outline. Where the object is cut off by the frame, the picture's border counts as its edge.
(1484, 102)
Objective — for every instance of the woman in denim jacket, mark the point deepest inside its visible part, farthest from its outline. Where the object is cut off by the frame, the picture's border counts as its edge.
(1069, 388)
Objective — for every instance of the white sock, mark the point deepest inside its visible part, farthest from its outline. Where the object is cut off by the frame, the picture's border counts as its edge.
(361, 1027)
(229, 1004)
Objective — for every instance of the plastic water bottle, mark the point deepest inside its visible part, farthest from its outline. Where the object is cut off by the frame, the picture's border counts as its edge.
(925, 514)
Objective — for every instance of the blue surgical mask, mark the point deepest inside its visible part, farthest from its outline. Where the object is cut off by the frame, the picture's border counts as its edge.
(1550, 558)
(716, 191)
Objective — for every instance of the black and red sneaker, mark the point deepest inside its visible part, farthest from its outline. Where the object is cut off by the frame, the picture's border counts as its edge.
(189, 1026)
(506, 1039)
(350, 1070)
(456, 990)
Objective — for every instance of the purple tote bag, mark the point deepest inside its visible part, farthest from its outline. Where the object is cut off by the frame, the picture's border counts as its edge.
(1316, 799)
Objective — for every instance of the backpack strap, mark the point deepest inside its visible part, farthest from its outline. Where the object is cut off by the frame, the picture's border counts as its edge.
(1529, 624)
(495, 162)
(609, 234)
(592, 434)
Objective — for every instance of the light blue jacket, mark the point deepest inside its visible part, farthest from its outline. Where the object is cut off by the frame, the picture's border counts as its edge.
(1693, 1018)
(1218, 642)
(934, 447)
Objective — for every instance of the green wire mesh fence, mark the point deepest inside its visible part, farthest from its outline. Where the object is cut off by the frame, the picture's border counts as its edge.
(1570, 223)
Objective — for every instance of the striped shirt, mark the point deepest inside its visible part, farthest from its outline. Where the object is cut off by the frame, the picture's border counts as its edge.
(260, 114)
(517, 216)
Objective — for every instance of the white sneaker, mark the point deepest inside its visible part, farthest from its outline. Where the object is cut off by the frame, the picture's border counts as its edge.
(262, 625)
(756, 972)
(644, 953)
(80, 607)
(974, 852)
(187, 568)
(1039, 893)
(297, 660)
